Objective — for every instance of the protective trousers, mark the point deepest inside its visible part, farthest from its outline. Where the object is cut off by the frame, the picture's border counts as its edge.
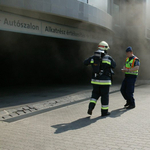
(127, 90)
(103, 91)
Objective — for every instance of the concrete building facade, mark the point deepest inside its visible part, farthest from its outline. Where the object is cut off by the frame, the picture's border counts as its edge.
(46, 41)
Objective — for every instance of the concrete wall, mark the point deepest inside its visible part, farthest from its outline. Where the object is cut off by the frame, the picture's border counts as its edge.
(35, 59)
(70, 9)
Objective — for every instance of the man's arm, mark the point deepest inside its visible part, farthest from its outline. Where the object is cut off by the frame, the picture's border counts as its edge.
(113, 63)
(130, 70)
(134, 69)
(137, 65)
(87, 61)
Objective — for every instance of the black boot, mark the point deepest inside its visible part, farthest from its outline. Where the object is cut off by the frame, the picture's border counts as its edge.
(127, 104)
(105, 112)
(130, 107)
(91, 107)
(89, 112)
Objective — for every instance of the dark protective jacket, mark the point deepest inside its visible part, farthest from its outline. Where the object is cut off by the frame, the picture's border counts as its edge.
(101, 69)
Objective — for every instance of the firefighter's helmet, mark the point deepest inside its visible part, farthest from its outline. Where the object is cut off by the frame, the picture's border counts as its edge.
(103, 46)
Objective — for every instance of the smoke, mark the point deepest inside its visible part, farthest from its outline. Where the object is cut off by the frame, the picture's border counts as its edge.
(130, 31)
(136, 37)
(129, 25)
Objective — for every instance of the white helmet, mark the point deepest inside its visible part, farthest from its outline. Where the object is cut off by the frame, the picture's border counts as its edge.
(103, 46)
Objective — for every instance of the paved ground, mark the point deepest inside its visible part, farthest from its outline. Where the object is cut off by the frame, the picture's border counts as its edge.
(17, 102)
(66, 126)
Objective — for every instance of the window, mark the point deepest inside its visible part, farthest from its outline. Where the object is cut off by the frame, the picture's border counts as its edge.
(104, 5)
(116, 12)
(109, 10)
(100, 4)
(135, 13)
(84, 1)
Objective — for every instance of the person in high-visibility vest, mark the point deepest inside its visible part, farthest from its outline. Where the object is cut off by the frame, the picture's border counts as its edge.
(130, 69)
(102, 65)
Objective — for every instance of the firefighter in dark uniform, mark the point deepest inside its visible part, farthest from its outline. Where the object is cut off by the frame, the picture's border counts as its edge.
(102, 65)
(130, 69)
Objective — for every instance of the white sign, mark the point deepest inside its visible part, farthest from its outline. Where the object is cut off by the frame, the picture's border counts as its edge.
(16, 23)
(20, 24)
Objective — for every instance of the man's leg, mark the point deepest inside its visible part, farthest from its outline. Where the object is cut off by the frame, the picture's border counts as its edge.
(130, 91)
(94, 98)
(123, 91)
(104, 99)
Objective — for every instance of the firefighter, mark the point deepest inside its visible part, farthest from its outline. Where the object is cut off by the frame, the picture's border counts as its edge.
(102, 65)
(130, 69)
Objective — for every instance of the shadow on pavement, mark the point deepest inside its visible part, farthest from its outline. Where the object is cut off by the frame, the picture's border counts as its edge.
(80, 123)
(118, 112)
(83, 122)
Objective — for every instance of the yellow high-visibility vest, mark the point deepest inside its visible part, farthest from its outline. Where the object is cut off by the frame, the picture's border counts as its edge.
(129, 65)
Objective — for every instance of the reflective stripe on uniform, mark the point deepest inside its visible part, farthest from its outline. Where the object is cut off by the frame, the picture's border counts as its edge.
(132, 73)
(104, 107)
(133, 62)
(101, 82)
(106, 61)
(99, 55)
(93, 100)
(92, 61)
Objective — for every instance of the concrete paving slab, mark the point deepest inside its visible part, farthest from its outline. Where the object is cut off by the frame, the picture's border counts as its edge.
(4, 117)
(2, 113)
(20, 113)
(14, 114)
(70, 128)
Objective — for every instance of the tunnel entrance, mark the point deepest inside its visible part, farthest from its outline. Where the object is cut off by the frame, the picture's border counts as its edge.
(29, 59)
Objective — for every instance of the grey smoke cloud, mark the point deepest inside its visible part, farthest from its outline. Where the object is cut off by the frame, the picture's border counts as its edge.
(129, 31)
